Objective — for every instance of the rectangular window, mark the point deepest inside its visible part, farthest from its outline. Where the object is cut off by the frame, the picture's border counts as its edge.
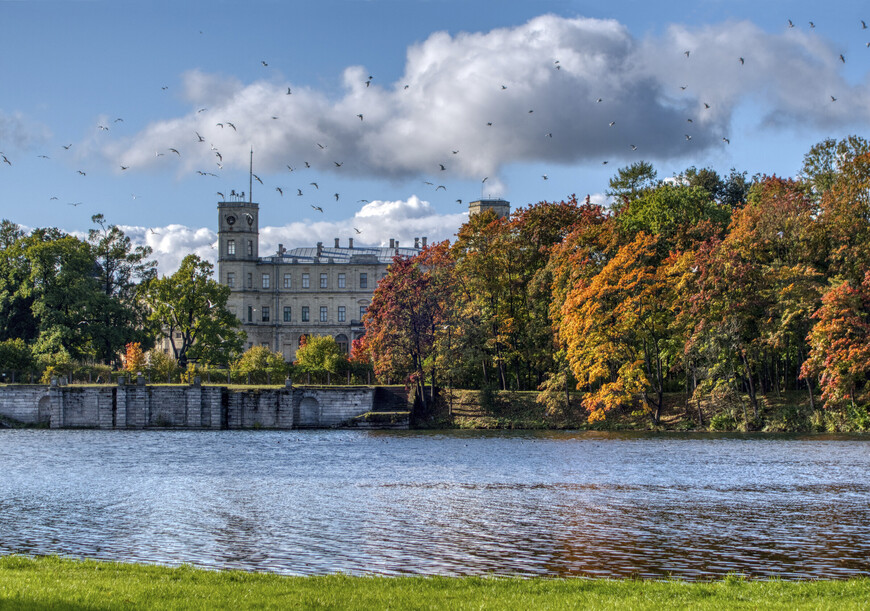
(304, 313)
(250, 280)
(341, 281)
(250, 248)
(266, 278)
(363, 280)
(250, 313)
(265, 313)
(288, 281)
(362, 311)
(306, 281)
(231, 247)
(324, 281)
(287, 314)
(231, 279)
(341, 313)
(323, 312)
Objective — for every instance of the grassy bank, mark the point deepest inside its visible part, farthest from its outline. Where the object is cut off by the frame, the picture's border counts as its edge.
(785, 412)
(55, 583)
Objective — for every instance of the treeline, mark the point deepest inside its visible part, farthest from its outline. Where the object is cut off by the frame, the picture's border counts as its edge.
(70, 303)
(718, 287)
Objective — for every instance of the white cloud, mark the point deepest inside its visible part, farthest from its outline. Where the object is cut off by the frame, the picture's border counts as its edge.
(455, 85)
(377, 222)
(21, 132)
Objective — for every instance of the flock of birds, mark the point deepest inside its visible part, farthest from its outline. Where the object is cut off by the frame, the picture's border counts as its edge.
(197, 139)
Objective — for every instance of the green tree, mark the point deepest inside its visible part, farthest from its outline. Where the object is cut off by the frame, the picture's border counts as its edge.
(120, 271)
(824, 161)
(320, 354)
(632, 181)
(16, 356)
(190, 309)
(262, 364)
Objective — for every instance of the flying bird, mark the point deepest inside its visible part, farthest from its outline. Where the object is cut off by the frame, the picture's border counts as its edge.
(336, 196)
(290, 168)
(175, 151)
(75, 204)
(52, 197)
(125, 167)
(280, 190)
(790, 24)
(231, 125)
(833, 99)
(688, 137)
(842, 59)
(288, 91)
(201, 110)
(6, 160)
(79, 171)
(633, 147)
(441, 165)
(337, 164)
(257, 178)
(66, 148)
(612, 123)
(298, 192)
(741, 60)
(686, 53)
(321, 146)
(117, 120)
(318, 208)
(440, 187)
(315, 185)
(264, 63)
(545, 177)
(726, 140)
(200, 138)
(357, 230)
(863, 25)
(459, 201)
(221, 194)
(812, 25)
(485, 179)
(360, 116)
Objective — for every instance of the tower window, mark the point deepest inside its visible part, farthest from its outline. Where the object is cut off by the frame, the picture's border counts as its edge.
(250, 280)
(231, 279)
(231, 247)
(250, 248)
(250, 313)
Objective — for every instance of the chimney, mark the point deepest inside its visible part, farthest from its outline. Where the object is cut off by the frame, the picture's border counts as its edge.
(417, 243)
(424, 241)
(319, 249)
(392, 242)
(280, 249)
(336, 242)
(350, 243)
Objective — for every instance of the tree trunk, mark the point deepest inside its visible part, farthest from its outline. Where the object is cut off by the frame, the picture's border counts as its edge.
(751, 384)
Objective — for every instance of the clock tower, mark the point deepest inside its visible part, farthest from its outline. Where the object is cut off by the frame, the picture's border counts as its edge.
(238, 239)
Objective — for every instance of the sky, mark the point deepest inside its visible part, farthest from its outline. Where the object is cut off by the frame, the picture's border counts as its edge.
(392, 115)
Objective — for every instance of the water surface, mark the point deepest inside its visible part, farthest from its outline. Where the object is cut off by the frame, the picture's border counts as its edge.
(450, 503)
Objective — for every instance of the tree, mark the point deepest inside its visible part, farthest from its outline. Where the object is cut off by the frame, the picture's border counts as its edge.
(120, 270)
(16, 356)
(824, 161)
(190, 309)
(262, 365)
(135, 358)
(320, 354)
(401, 322)
(632, 181)
(840, 346)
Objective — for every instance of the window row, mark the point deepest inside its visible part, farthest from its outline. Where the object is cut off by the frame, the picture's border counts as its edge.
(266, 280)
(305, 314)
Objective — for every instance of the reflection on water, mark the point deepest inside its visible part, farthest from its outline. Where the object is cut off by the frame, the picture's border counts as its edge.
(454, 503)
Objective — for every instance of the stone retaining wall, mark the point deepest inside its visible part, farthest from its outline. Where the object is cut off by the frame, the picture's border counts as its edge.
(140, 406)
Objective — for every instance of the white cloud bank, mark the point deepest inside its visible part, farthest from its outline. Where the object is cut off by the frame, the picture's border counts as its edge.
(377, 222)
(553, 89)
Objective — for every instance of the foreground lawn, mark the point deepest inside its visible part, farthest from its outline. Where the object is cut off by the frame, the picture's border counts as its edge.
(27, 583)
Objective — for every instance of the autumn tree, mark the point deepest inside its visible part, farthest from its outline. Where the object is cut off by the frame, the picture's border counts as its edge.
(260, 364)
(135, 359)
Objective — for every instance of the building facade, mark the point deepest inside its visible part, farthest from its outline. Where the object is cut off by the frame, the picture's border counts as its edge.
(281, 297)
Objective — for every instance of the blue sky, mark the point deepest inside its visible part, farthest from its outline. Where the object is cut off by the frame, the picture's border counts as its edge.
(156, 74)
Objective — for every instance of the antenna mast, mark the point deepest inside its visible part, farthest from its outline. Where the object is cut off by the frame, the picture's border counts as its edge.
(251, 179)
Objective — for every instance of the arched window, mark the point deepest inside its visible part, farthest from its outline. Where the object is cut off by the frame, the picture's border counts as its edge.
(341, 340)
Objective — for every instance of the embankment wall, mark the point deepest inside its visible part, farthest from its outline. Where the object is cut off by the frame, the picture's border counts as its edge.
(140, 406)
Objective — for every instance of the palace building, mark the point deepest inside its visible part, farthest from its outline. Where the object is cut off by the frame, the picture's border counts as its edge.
(307, 291)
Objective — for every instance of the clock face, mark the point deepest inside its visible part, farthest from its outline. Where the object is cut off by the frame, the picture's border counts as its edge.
(231, 220)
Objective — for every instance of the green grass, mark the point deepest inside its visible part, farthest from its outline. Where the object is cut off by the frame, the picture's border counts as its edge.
(27, 583)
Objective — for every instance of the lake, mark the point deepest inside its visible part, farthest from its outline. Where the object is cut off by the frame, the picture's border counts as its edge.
(445, 502)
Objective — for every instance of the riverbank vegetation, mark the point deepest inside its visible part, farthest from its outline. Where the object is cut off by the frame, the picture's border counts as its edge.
(730, 290)
(28, 583)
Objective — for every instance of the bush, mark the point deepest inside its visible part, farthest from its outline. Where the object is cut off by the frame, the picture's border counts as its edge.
(262, 365)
